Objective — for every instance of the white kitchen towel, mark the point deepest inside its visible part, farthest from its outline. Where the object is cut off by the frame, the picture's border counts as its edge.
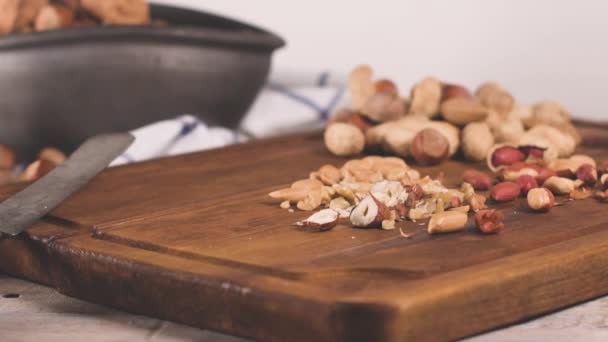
(289, 102)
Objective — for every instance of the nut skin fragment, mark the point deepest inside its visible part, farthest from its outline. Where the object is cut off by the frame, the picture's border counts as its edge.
(587, 174)
(446, 222)
(559, 185)
(489, 221)
(479, 180)
(505, 192)
(477, 140)
(429, 147)
(540, 199)
(344, 139)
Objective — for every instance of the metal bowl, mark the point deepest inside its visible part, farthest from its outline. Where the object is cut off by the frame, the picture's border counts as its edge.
(59, 87)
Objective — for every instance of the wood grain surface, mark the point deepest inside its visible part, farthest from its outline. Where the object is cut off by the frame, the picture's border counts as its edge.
(194, 239)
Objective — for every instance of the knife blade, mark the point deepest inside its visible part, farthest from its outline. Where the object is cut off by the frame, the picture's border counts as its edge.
(20, 211)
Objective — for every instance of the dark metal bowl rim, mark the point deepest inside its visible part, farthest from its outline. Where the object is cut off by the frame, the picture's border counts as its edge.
(252, 37)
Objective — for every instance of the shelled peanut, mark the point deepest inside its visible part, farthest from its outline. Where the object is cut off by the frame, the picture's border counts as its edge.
(438, 119)
(524, 169)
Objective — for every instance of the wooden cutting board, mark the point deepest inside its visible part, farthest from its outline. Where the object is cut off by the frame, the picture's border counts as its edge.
(196, 240)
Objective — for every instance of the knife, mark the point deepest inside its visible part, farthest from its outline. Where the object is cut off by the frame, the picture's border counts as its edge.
(20, 211)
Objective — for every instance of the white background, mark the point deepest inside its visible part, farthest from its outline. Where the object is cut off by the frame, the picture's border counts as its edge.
(540, 49)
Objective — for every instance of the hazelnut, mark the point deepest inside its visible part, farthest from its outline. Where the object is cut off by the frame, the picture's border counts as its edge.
(429, 147)
(382, 107)
(369, 213)
(450, 91)
(344, 139)
(387, 87)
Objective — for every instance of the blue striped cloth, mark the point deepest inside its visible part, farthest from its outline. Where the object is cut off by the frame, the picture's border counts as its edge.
(288, 103)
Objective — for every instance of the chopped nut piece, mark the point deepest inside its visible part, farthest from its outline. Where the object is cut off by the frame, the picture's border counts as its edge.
(489, 221)
(369, 213)
(388, 224)
(285, 205)
(323, 220)
(447, 221)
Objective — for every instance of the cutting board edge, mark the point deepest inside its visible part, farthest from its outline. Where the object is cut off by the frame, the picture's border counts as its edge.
(349, 316)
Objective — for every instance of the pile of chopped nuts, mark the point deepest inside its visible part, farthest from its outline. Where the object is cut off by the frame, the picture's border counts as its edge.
(438, 119)
(529, 150)
(377, 192)
(40, 15)
(48, 159)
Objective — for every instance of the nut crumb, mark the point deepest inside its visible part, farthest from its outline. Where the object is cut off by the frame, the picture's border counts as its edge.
(285, 205)
(290, 210)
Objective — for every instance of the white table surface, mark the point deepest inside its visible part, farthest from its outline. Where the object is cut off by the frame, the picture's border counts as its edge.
(42, 314)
